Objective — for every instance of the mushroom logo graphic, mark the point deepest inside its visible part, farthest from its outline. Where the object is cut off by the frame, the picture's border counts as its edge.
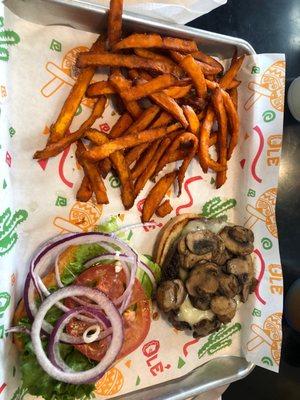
(269, 334)
(82, 218)
(271, 85)
(264, 210)
(65, 74)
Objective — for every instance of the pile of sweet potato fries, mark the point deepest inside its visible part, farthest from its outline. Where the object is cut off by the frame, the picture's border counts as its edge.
(169, 95)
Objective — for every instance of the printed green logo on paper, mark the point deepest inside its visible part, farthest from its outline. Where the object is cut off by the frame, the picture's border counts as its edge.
(11, 131)
(251, 193)
(7, 38)
(255, 70)
(256, 312)
(217, 207)
(61, 201)
(8, 225)
(219, 340)
(4, 302)
(55, 45)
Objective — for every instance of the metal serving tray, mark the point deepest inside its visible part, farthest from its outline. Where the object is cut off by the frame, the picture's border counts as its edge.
(87, 15)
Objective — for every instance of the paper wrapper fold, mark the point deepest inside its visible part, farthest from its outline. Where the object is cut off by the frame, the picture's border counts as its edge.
(175, 11)
(38, 202)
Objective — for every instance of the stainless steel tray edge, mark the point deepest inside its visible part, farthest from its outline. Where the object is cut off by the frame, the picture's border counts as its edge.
(85, 15)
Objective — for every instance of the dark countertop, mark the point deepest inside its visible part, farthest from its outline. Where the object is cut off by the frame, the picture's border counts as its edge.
(273, 27)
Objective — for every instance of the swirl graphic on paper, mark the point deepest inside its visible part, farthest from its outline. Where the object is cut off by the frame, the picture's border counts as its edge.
(271, 86)
(187, 190)
(260, 275)
(270, 334)
(61, 168)
(258, 153)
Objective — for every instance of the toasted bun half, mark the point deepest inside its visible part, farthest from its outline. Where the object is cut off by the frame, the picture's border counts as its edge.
(169, 234)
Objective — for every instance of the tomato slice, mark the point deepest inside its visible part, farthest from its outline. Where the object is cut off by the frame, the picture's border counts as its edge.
(136, 318)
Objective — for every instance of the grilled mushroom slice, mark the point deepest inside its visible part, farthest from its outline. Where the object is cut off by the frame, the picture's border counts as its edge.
(205, 327)
(238, 240)
(228, 285)
(243, 269)
(200, 246)
(203, 279)
(223, 307)
(170, 295)
(201, 301)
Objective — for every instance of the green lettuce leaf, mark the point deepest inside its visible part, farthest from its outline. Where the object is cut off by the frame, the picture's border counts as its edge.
(144, 278)
(83, 253)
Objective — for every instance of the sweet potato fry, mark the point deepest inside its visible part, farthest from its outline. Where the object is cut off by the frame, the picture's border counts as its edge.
(226, 80)
(233, 93)
(147, 173)
(84, 193)
(117, 130)
(213, 139)
(136, 40)
(145, 89)
(220, 112)
(191, 67)
(99, 88)
(53, 149)
(168, 104)
(153, 40)
(204, 157)
(177, 92)
(156, 194)
(125, 142)
(176, 70)
(205, 58)
(180, 45)
(164, 209)
(66, 115)
(120, 83)
(234, 84)
(177, 155)
(182, 139)
(135, 153)
(144, 120)
(144, 160)
(191, 116)
(114, 23)
(234, 122)
(121, 60)
(206, 68)
(121, 167)
(119, 164)
(92, 172)
(121, 126)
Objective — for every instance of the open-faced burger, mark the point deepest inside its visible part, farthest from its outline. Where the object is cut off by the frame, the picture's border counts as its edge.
(206, 267)
(86, 303)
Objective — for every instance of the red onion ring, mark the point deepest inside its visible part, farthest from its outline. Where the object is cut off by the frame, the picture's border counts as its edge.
(53, 351)
(114, 347)
(42, 262)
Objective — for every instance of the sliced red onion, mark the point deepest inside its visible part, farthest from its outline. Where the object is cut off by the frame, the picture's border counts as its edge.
(43, 259)
(137, 225)
(18, 329)
(114, 347)
(57, 332)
